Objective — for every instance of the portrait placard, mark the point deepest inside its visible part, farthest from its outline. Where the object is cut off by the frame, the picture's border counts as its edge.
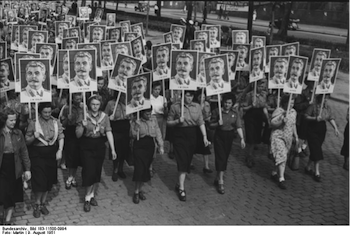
(175, 46)
(111, 20)
(161, 61)
(243, 56)
(86, 27)
(258, 41)
(183, 70)
(271, 50)
(129, 36)
(256, 63)
(63, 69)
(278, 71)
(7, 80)
(72, 19)
(290, 49)
(216, 70)
(23, 36)
(198, 45)
(124, 67)
(295, 75)
(84, 13)
(328, 76)
(316, 61)
(18, 56)
(123, 48)
(115, 34)
(36, 36)
(203, 34)
(82, 70)
(97, 33)
(59, 27)
(178, 33)
(70, 43)
(214, 35)
(138, 93)
(232, 62)
(15, 37)
(125, 26)
(138, 49)
(107, 62)
(138, 28)
(35, 80)
(48, 51)
(168, 37)
(98, 15)
(202, 80)
(240, 37)
(3, 50)
(11, 17)
(75, 32)
(43, 13)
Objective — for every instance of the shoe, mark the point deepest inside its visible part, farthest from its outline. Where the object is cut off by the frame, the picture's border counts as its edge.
(207, 171)
(317, 178)
(282, 184)
(121, 174)
(274, 177)
(87, 206)
(192, 167)
(63, 166)
(8, 222)
(74, 183)
(115, 177)
(182, 195)
(136, 198)
(216, 182)
(221, 188)
(177, 187)
(308, 172)
(44, 210)
(68, 184)
(142, 196)
(93, 202)
(36, 212)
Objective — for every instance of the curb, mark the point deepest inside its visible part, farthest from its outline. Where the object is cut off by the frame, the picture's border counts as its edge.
(339, 100)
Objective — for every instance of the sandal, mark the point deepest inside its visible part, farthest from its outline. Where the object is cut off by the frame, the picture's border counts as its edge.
(182, 195)
(68, 184)
(74, 183)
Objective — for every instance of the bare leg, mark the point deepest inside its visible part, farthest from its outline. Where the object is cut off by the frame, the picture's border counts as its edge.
(317, 167)
(206, 161)
(9, 213)
(281, 169)
(182, 177)
(221, 177)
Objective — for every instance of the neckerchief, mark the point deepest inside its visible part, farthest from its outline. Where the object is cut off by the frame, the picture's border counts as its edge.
(41, 133)
(96, 123)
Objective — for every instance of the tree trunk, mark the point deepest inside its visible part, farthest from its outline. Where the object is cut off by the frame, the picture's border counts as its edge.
(250, 19)
(205, 12)
(190, 10)
(147, 18)
(283, 31)
(272, 22)
(159, 4)
(104, 7)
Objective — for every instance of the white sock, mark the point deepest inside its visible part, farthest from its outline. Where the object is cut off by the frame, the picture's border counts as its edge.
(274, 172)
(299, 149)
(303, 146)
(281, 179)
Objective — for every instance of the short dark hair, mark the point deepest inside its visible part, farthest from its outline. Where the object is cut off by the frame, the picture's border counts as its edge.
(192, 93)
(94, 97)
(229, 96)
(156, 83)
(4, 115)
(44, 105)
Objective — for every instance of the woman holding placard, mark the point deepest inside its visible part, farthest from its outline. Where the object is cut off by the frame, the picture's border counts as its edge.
(283, 131)
(43, 135)
(317, 114)
(14, 160)
(224, 135)
(185, 136)
(92, 131)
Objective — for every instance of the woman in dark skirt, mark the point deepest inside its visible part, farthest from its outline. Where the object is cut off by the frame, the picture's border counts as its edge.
(120, 124)
(42, 136)
(185, 136)
(316, 133)
(92, 133)
(143, 149)
(14, 160)
(224, 135)
(345, 148)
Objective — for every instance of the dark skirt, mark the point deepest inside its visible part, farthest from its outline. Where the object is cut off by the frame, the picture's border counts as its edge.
(11, 189)
(185, 139)
(43, 167)
(92, 152)
(253, 124)
(222, 148)
(71, 147)
(345, 149)
(120, 129)
(315, 138)
(302, 127)
(143, 150)
(169, 134)
(200, 147)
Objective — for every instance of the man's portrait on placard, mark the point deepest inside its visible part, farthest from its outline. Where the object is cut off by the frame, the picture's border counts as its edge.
(168, 37)
(271, 50)
(72, 19)
(86, 26)
(295, 75)
(178, 33)
(107, 62)
(48, 51)
(315, 67)
(11, 17)
(201, 78)
(84, 13)
(161, 61)
(214, 36)
(21, 12)
(138, 93)
(123, 48)
(203, 34)
(3, 50)
(329, 71)
(43, 13)
(243, 56)
(97, 47)
(130, 36)
(110, 20)
(198, 45)
(125, 26)
(23, 36)
(18, 56)
(216, 72)
(258, 41)
(34, 16)
(183, 70)
(63, 69)
(257, 66)
(98, 15)
(290, 49)
(35, 80)
(138, 28)
(97, 33)
(138, 50)
(240, 37)
(36, 36)
(15, 37)
(232, 62)
(59, 27)
(115, 34)
(70, 43)
(124, 67)
(82, 70)
(278, 72)
(7, 80)
(75, 32)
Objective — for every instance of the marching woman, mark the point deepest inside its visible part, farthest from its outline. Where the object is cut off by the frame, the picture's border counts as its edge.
(185, 136)
(283, 130)
(92, 133)
(316, 133)
(71, 147)
(345, 148)
(143, 149)
(14, 160)
(120, 124)
(224, 135)
(42, 137)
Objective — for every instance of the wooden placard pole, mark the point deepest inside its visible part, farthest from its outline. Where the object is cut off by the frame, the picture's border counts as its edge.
(182, 103)
(313, 92)
(219, 104)
(255, 84)
(60, 96)
(30, 110)
(6, 98)
(278, 97)
(163, 84)
(289, 101)
(138, 131)
(84, 108)
(322, 104)
(202, 97)
(116, 104)
(36, 116)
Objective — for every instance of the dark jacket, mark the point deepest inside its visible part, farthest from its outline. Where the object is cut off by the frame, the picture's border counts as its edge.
(22, 162)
